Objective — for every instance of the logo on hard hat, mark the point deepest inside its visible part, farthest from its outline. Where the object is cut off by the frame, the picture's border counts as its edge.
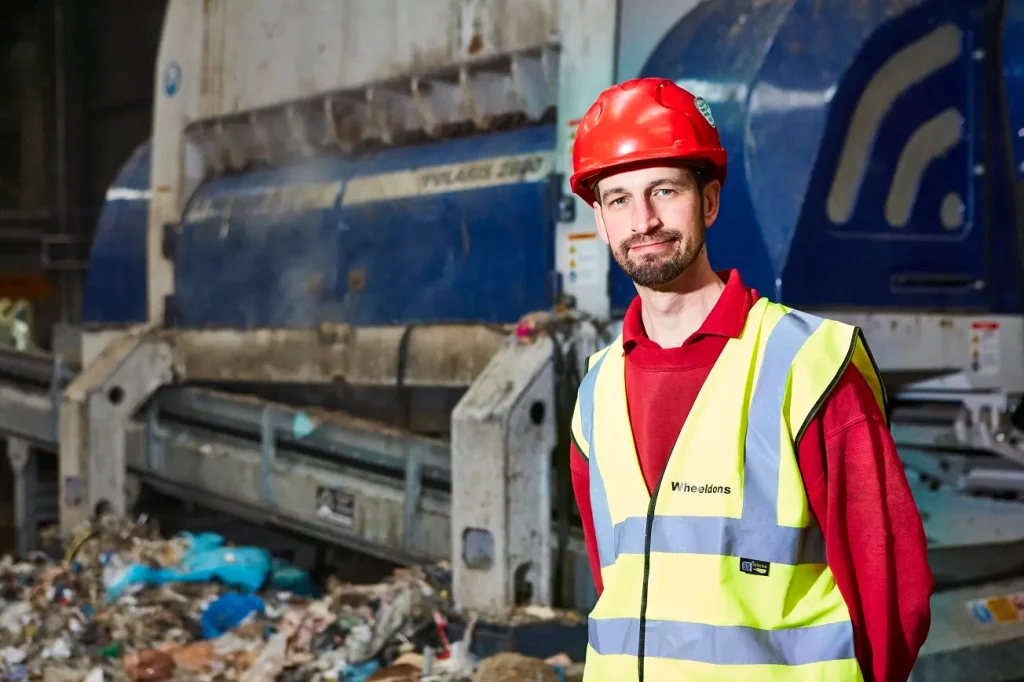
(705, 109)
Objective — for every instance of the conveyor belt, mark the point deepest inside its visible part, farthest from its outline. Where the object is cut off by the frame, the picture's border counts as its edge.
(375, 489)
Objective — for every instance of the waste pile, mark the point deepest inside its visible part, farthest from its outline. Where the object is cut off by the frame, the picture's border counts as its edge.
(119, 602)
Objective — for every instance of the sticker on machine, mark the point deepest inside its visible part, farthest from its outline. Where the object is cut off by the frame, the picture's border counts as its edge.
(984, 347)
(583, 252)
(336, 505)
(1001, 610)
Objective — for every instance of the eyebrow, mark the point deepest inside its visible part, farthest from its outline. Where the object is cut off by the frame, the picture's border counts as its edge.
(650, 185)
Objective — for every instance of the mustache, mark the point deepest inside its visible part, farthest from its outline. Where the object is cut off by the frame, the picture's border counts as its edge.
(643, 239)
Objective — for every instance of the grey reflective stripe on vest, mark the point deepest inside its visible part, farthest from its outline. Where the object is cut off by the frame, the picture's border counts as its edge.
(756, 535)
(723, 645)
(598, 495)
(764, 418)
(720, 536)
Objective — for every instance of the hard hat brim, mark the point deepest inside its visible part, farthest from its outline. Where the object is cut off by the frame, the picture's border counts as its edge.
(582, 181)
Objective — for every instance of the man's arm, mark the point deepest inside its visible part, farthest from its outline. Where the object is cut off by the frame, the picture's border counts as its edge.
(581, 489)
(874, 539)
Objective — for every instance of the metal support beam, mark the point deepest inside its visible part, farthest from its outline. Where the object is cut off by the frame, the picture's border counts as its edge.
(26, 485)
(96, 410)
(268, 456)
(503, 436)
(413, 495)
(429, 355)
(351, 482)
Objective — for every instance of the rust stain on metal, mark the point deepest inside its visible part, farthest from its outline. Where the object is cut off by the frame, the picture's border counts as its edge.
(356, 280)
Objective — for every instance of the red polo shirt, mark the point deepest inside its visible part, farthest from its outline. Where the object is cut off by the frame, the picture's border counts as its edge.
(856, 486)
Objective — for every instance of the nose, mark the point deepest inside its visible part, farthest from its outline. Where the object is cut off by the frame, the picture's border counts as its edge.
(645, 219)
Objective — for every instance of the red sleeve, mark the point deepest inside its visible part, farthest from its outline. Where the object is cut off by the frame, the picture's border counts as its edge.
(874, 538)
(580, 468)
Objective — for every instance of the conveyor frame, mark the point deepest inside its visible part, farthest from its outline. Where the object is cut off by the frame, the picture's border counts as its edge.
(266, 463)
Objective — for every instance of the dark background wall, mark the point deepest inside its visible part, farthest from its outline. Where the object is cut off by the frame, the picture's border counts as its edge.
(76, 89)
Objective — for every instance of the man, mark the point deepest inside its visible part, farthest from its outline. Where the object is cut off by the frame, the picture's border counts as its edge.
(745, 511)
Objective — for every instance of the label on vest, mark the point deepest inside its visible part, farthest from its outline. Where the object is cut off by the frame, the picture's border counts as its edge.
(681, 487)
(754, 567)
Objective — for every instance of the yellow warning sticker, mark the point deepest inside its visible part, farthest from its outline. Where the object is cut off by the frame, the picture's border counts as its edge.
(1003, 610)
(999, 610)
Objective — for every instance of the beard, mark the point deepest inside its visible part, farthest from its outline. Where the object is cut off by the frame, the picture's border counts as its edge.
(653, 271)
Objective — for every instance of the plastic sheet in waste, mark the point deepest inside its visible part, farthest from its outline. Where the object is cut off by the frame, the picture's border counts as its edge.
(207, 560)
(227, 611)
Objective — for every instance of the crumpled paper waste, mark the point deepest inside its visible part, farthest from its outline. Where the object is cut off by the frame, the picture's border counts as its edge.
(120, 603)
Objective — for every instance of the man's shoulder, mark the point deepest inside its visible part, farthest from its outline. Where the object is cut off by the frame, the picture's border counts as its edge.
(820, 340)
(814, 318)
(851, 401)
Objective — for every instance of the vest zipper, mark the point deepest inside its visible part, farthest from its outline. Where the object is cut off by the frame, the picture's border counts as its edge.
(647, 576)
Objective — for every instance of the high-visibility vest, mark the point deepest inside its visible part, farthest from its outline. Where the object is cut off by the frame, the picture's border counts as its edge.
(721, 573)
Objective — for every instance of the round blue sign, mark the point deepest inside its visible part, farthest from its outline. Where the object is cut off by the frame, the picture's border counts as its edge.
(172, 78)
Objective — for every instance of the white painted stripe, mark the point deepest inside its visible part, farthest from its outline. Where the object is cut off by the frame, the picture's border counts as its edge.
(303, 197)
(909, 66)
(931, 141)
(265, 201)
(127, 194)
(456, 177)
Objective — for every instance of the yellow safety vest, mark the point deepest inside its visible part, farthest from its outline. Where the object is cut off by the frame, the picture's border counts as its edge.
(721, 574)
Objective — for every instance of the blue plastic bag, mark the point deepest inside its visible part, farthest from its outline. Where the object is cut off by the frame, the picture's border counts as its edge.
(206, 560)
(361, 671)
(227, 611)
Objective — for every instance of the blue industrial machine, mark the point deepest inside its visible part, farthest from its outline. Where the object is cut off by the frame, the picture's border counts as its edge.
(876, 154)
(871, 155)
(872, 167)
(447, 257)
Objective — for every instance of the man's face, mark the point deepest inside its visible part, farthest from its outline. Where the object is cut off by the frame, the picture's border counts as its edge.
(654, 220)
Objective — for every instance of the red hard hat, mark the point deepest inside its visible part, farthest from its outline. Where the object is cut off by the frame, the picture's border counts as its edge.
(644, 119)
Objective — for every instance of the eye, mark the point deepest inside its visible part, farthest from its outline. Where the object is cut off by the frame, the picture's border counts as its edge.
(664, 192)
(617, 201)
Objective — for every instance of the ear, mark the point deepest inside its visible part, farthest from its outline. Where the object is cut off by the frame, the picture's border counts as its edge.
(602, 230)
(712, 196)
